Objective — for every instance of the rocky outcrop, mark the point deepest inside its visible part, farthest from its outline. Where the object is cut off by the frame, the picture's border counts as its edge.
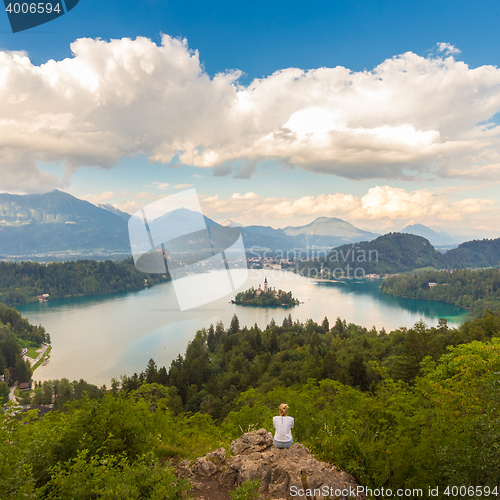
(284, 474)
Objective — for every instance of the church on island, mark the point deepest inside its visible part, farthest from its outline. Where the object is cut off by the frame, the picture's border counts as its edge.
(266, 289)
(265, 297)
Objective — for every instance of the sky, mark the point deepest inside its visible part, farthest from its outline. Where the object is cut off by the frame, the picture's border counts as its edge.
(380, 113)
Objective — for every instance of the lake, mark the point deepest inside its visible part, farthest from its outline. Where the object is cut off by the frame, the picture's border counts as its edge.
(97, 338)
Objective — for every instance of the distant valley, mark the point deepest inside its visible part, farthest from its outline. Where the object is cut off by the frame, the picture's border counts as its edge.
(59, 226)
(56, 225)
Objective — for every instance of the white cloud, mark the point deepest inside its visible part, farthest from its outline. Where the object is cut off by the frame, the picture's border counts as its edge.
(383, 204)
(410, 114)
(145, 195)
(162, 185)
(180, 186)
(447, 48)
(246, 196)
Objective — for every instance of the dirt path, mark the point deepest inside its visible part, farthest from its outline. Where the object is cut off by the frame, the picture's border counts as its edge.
(11, 393)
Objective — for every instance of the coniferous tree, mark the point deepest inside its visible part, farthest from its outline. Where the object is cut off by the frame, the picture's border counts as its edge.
(258, 341)
(416, 346)
(211, 338)
(151, 372)
(339, 327)
(162, 376)
(235, 325)
(219, 332)
(285, 323)
(274, 342)
(357, 372)
(325, 324)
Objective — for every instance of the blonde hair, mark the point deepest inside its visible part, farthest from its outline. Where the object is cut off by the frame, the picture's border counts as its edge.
(283, 409)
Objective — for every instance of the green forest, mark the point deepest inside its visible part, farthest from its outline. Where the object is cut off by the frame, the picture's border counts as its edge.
(400, 252)
(390, 253)
(475, 253)
(16, 332)
(477, 290)
(220, 363)
(20, 283)
(414, 407)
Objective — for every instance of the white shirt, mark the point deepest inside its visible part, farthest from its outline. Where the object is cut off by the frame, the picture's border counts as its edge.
(283, 426)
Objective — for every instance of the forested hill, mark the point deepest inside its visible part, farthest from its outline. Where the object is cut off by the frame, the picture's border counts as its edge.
(390, 253)
(401, 252)
(22, 328)
(476, 253)
(16, 332)
(353, 393)
(20, 283)
(220, 363)
(421, 396)
(475, 289)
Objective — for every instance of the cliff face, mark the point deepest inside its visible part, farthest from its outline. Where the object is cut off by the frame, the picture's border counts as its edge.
(282, 474)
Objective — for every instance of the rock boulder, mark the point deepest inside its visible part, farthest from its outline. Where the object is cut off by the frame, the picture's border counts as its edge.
(282, 473)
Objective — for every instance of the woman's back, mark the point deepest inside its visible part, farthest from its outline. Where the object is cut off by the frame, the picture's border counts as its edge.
(283, 426)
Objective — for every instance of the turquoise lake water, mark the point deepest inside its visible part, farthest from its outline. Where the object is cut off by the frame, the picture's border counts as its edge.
(97, 338)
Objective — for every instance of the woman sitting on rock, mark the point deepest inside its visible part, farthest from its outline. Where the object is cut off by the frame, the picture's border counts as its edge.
(283, 425)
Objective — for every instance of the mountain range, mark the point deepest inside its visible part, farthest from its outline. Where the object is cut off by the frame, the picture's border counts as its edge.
(114, 210)
(449, 237)
(437, 238)
(59, 223)
(324, 232)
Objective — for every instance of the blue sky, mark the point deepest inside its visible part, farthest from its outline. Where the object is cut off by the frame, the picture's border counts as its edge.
(261, 37)
(377, 165)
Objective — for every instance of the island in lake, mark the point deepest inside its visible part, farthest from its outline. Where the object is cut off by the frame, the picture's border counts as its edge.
(265, 297)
